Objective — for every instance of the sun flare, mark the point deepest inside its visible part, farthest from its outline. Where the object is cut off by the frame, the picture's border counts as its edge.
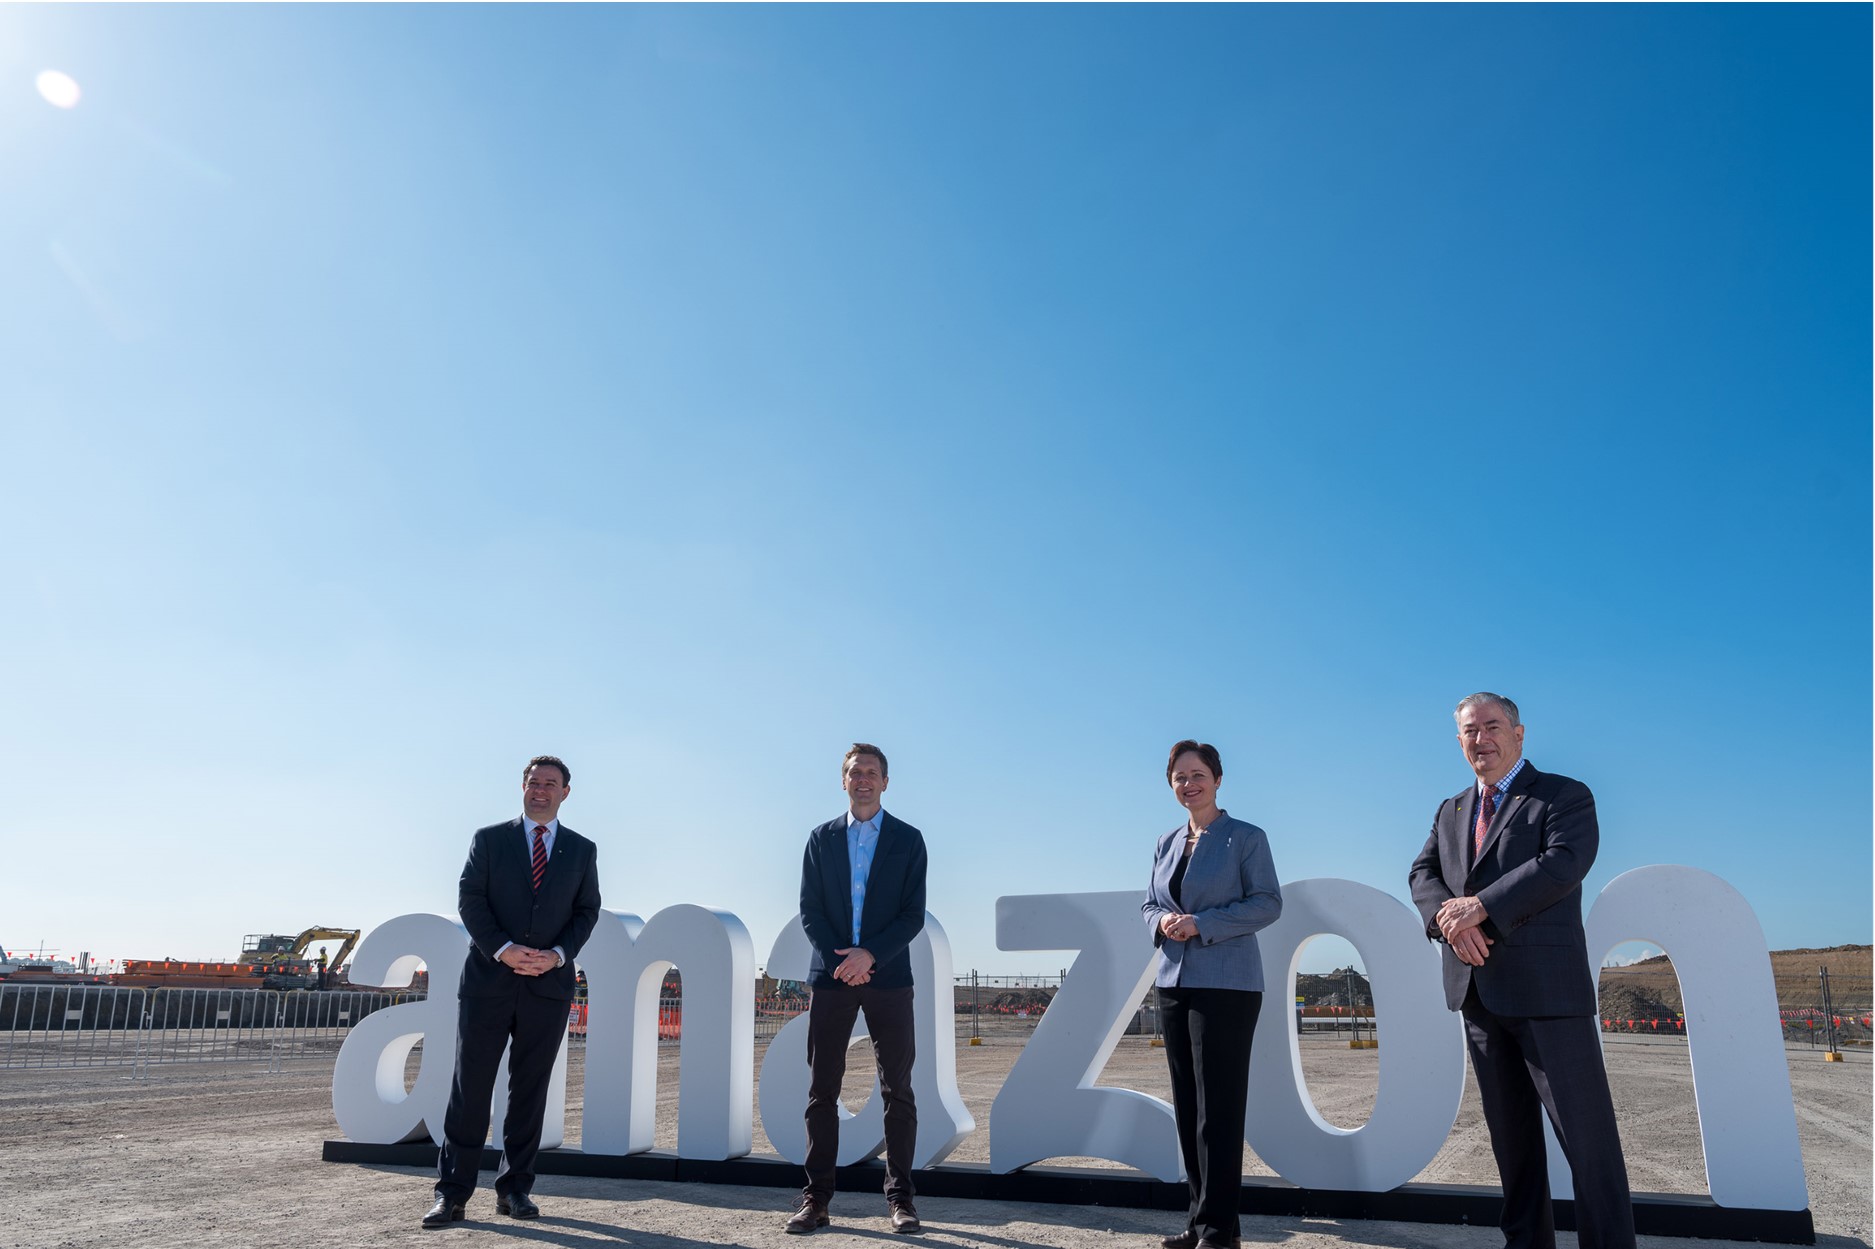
(59, 89)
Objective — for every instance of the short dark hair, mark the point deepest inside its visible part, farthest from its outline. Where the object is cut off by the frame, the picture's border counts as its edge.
(542, 761)
(1206, 752)
(865, 748)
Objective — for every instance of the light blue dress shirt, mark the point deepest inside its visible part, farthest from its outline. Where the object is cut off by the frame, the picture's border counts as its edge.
(528, 826)
(862, 839)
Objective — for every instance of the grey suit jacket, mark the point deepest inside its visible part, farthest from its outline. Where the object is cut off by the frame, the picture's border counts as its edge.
(1230, 889)
(1528, 876)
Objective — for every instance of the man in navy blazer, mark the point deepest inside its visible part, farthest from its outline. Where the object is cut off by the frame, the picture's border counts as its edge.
(1500, 883)
(862, 903)
(529, 896)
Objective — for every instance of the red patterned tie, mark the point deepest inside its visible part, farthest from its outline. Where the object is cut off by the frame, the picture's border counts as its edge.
(540, 855)
(1486, 810)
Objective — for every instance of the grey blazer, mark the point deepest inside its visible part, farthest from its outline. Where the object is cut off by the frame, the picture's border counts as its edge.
(1230, 889)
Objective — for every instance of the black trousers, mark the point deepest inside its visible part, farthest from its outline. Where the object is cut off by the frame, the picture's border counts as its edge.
(533, 1026)
(1528, 1067)
(830, 1016)
(1207, 1047)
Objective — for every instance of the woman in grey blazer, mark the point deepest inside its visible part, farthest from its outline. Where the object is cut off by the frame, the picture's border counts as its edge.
(1213, 886)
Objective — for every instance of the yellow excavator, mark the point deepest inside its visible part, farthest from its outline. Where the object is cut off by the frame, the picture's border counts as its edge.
(285, 957)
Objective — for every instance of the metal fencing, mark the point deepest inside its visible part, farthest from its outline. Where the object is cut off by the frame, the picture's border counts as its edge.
(1009, 1008)
(1828, 1011)
(48, 1026)
(70, 1026)
(1824, 1011)
(771, 1015)
(974, 1018)
(57, 1025)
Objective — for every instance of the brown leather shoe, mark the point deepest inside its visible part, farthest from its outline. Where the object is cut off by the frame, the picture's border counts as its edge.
(1187, 1239)
(444, 1212)
(811, 1215)
(904, 1218)
(517, 1206)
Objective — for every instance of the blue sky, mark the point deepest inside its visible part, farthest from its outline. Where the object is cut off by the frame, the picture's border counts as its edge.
(390, 394)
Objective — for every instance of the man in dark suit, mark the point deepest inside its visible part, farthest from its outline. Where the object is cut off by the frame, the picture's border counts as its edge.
(1500, 883)
(862, 902)
(529, 896)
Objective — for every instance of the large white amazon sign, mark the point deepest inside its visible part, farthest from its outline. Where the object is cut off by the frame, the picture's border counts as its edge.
(1049, 1107)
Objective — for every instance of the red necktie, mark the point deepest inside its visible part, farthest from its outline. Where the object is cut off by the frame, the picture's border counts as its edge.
(1486, 810)
(540, 855)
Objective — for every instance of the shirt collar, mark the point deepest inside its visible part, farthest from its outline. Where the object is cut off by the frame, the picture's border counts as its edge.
(1503, 784)
(872, 825)
(552, 826)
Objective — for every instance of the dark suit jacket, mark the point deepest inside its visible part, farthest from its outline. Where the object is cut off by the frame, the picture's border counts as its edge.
(498, 905)
(1528, 876)
(894, 911)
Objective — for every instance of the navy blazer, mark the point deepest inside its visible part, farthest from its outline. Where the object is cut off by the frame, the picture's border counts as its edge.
(1528, 877)
(498, 905)
(1230, 890)
(894, 911)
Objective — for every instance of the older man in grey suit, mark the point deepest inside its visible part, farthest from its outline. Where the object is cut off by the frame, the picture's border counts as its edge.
(1500, 883)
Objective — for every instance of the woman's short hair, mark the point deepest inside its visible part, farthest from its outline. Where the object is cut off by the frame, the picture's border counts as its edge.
(1206, 752)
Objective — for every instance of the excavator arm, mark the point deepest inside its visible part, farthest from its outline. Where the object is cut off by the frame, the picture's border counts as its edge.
(305, 939)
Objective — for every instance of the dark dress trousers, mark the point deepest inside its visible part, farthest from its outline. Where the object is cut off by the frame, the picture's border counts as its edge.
(498, 1008)
(893, 916)
(1530, 1011)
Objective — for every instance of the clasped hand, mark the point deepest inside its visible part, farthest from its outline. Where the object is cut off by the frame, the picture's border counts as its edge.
(856, 968)
(527, 961)
(1178, 927)
(1458, 922)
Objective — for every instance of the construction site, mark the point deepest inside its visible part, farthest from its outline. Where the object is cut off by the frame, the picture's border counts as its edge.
(267, 961)
(186, 1091)
(219, 1148)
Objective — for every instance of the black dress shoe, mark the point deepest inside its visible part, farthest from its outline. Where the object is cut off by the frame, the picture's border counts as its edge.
(443, 1213)
(811, 1215)
(1187, 1239)
(904, 1218)
(517, 1206)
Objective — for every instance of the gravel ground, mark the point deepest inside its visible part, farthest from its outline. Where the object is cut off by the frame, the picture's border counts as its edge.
(228, 1155)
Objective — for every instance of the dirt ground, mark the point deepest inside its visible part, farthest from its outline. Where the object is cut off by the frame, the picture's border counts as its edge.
(229, 1155)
